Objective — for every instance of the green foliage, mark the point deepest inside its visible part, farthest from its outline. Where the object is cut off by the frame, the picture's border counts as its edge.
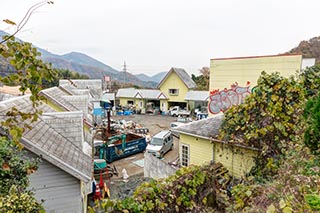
(312, 117)
(31, 72)
(266, 120)
(271, 119)
(313, 201)
(17, 201)
(14, 168)
(186, 191)
(14, 172)
(201, 81)
(310, 80)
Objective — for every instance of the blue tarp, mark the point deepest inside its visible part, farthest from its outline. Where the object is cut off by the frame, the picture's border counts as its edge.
(98, 111)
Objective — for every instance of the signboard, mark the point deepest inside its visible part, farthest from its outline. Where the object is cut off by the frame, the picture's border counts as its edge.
(107, 78)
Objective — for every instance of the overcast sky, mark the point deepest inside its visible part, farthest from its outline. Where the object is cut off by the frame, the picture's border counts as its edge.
(153, 36)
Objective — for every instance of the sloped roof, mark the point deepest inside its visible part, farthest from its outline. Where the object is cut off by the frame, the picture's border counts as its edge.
(142, 93)
(68, 124)
(81, 87)
(194, 95)
(150, 94)
(183, 75)
(126, 93)
(45, 141)
(12, 90)
(56, 95)
(108, 96)
(207, 128)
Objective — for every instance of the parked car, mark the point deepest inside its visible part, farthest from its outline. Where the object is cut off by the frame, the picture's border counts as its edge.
(179, 122)
(160, 144)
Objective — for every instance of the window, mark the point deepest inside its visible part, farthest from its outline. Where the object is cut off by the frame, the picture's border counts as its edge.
(184, 155)
(130, 102)
(173, 91)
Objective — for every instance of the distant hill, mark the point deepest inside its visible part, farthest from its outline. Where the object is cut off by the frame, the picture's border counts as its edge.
(156, 78)
(308, 49)
(82, 64)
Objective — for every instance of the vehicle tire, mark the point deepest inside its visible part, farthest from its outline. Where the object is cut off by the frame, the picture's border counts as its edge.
(171, 148)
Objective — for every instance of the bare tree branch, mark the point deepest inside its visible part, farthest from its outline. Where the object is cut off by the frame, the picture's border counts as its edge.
(25, 19)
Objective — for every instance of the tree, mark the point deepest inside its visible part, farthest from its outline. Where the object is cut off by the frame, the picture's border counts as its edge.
(14, 170)
(24, 21)
(202, 81)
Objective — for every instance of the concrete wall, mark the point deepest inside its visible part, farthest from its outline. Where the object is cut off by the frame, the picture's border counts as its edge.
(156, 168)
(227, 71)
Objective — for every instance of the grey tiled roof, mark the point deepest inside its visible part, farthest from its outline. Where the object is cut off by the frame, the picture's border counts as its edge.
(68, 124)
(208, 128)
(76, 85)
(183, 76)
(56, 95)
(48, 143)
(194, 95)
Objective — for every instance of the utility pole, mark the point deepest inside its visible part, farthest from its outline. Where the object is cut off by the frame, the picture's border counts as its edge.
(125, 72)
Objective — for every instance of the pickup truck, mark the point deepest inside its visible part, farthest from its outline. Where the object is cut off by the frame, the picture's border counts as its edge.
(177, 111)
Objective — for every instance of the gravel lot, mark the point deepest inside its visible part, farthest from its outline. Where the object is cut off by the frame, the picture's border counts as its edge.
(155, 123)
(134, 163)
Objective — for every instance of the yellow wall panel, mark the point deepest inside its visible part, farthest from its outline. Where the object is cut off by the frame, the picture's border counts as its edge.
(224, 72)
(201, 150)
(238, 161)
(173, 81)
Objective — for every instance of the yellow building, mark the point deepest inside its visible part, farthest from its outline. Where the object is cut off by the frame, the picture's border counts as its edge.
(175, 89)
(198, 145)
(175, 85)
(226, 71)
(140, 98)
(231, 79)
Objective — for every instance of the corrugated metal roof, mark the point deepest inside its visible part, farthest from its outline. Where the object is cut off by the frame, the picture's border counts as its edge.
(45, 141)
(194, 95)
(208, 128)
(183, 76)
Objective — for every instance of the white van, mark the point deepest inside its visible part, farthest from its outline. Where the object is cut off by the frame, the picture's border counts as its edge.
(160, 144)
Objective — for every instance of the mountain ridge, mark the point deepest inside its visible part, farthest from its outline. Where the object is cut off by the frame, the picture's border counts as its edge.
(84, 64)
